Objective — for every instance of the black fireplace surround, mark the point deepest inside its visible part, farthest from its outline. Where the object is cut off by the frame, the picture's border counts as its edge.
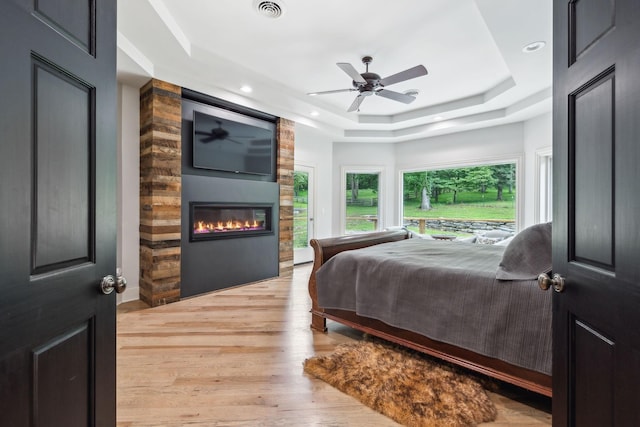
(244, 247)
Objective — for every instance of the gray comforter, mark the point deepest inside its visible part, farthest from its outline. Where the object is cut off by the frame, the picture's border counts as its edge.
(447, 291)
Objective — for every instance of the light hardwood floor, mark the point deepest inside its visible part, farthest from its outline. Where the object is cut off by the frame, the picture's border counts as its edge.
(234, 358)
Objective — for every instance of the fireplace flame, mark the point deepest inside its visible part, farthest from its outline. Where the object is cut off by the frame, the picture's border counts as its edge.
(227, 225)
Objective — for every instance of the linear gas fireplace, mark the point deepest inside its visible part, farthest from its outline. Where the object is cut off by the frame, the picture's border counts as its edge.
(211, 220)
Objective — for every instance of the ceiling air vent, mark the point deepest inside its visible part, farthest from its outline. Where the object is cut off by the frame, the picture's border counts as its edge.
(270, 9)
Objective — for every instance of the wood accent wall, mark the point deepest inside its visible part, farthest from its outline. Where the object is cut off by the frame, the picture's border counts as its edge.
(160, 192)
(285, 165)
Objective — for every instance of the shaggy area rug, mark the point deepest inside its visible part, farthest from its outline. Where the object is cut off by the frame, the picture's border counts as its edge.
(404, 385)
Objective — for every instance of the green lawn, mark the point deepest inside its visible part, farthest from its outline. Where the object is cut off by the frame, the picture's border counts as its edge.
(300, 237)
(470, 205)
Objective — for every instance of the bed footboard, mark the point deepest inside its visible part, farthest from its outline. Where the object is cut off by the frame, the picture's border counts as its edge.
(324, 249)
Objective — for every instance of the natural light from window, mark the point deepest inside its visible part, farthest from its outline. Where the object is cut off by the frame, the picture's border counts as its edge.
(460, 202)
(362, 213)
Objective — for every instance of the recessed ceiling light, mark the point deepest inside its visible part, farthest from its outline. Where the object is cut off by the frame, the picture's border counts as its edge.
(246, 89)
(532, 47)
(314, 113)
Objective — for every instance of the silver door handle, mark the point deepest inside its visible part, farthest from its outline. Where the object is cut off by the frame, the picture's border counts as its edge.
(545, 282)
(110, 283)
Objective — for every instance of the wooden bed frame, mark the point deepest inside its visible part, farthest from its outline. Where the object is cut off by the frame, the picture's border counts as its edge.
(324, 249)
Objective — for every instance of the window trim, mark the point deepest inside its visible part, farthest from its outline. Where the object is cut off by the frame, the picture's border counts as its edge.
(542, 158)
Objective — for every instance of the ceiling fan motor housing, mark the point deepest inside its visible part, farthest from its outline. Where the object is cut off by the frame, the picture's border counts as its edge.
(373, 82)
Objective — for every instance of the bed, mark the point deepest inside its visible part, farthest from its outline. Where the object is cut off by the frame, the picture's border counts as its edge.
(478, 306)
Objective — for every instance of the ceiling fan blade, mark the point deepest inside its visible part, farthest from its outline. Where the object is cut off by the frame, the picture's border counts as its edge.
(356, 103)
(233, 140)
(396, 96)
(331, 91)
(209, 139)
(411, 73)
(352, 72)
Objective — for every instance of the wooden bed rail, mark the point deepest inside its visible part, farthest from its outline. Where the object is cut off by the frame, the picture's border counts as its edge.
(323, 249)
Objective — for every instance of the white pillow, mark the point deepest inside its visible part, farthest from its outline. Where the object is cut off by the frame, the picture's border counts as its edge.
(505, 242)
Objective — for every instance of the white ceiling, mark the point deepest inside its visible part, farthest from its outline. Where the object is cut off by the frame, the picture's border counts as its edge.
(472, 49)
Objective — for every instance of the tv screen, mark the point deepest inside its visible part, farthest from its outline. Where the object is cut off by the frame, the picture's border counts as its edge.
(233, 143)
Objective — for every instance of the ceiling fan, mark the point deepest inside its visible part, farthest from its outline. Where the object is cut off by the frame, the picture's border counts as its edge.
(216, 134)
(368, 84)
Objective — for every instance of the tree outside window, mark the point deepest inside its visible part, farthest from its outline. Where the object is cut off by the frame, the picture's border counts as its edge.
(460, 200)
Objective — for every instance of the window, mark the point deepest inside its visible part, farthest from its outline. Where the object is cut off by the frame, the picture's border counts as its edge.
(460, 201)
(361, 191)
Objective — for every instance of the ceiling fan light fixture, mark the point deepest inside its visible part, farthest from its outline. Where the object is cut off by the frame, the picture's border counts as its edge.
(269, 9)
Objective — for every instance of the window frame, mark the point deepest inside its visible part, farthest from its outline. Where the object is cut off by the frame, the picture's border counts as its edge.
(518, 159)
(543, 188)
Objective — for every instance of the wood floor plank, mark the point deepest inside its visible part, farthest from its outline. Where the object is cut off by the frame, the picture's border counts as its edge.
(234, 358)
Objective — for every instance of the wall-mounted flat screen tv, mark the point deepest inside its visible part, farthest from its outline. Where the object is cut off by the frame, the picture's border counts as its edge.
(233, 143)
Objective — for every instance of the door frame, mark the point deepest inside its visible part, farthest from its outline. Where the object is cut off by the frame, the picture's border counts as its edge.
(303, 255)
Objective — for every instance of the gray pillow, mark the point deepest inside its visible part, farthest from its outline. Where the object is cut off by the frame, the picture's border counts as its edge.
(527, 255)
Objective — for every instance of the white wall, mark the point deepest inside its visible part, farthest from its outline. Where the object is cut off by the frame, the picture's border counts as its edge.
(128, 190)
(470, 147)
(313, 149)
(371, 158)
(538, 137)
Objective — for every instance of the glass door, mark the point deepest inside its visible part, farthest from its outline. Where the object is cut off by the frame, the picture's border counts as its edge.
(303, 230)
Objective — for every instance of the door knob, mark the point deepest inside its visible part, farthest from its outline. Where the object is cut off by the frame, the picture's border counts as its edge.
(545, 282)
(110, 283)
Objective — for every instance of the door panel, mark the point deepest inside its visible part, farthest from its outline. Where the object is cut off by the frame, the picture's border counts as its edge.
(594, 360)
(590, 20)
(57, 203)
(72, 19)
(62, 378)
(63, 149)
(591, 151)
(596, 230)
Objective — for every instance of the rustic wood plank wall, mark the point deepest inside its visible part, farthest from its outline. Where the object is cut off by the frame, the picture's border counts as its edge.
(160, 192)
(285, 164)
